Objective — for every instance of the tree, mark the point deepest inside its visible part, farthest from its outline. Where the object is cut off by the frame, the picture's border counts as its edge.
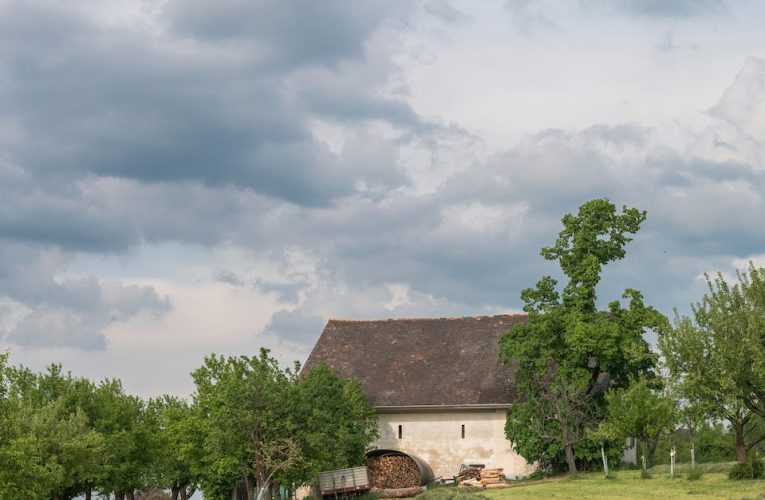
(242, 403)
(335, 424)
(127, 429)
(569, 353)
(717, 355)
(642, 412)
(49, 449)
(177, 446)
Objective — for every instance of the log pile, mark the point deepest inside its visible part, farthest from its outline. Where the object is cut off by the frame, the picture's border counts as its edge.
(488, 478)
(393, 471)
(470, 473)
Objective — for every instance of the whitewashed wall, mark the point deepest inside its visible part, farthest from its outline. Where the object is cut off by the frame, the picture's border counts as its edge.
(436, 437)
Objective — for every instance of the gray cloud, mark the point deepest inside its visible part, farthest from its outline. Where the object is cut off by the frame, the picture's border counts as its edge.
(296, 326)
(91, 99)
(445, 11)
(65, 311)
(662, 9)
(300, 32)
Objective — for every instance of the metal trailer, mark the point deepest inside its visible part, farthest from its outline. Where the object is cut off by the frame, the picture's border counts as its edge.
(343, 481)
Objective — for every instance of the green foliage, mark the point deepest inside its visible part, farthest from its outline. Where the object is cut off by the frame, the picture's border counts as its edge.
(640, 411)
(751, 469)
(717, 355)
(62, 436)
(177, 445)
(569, 353)
(713, 442)
(260, 422)
(241, 410)
(336, 425)
(129, 433)
(48, 446)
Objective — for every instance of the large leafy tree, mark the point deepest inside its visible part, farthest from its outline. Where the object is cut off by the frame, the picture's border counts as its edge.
(49, 449)
(718, 357)
(127, 429)
(242, 409)
(570, 352)
(334, 424)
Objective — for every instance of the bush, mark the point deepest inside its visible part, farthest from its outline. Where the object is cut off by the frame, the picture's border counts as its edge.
(695, 474)
(751, 469)
(538, 474)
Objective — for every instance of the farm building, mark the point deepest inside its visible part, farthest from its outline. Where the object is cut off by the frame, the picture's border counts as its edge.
(438, 388)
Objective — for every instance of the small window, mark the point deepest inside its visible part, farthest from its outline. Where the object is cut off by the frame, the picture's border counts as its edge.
(463, 431)
(400, 431)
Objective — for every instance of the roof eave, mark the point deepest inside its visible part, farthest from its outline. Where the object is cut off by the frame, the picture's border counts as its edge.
(441, 408)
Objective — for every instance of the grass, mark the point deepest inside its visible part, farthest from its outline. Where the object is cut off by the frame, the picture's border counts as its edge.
(713, 483)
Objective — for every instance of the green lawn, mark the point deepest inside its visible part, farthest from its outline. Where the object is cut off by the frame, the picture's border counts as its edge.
(627, 484)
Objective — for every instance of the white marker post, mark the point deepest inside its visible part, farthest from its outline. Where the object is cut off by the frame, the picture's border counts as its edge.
(672, 462)
(693, 457)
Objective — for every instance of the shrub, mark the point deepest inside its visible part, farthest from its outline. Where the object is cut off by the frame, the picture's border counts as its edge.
(751, 469)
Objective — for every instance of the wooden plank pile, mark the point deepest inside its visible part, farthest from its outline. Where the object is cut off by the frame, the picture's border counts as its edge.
(488, 478)
(393, 471)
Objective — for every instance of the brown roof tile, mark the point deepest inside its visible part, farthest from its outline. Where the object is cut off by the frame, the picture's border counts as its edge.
(408, 362)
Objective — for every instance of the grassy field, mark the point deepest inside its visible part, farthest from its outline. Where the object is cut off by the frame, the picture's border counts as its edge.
(714, 483)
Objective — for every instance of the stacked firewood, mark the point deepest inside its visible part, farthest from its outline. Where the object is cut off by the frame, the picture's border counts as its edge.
(487, 478)
(470, 473)
(393, 471)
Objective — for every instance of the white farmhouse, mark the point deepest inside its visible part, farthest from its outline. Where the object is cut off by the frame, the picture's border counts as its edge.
(437, 385)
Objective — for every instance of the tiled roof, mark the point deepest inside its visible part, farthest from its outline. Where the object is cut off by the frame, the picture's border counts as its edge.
(426, 361)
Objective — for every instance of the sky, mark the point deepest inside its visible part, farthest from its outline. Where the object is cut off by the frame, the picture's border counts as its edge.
(180, 178)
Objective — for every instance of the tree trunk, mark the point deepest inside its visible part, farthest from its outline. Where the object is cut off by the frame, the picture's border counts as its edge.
(129, 495)
(174, 492)
(740, 445)
(250, 486)
(88, 493)
(652, 444)
(184, 494)
(693, 457)
(570, 458)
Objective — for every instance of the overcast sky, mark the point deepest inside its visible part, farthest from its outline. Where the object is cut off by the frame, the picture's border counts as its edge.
(185, 177)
